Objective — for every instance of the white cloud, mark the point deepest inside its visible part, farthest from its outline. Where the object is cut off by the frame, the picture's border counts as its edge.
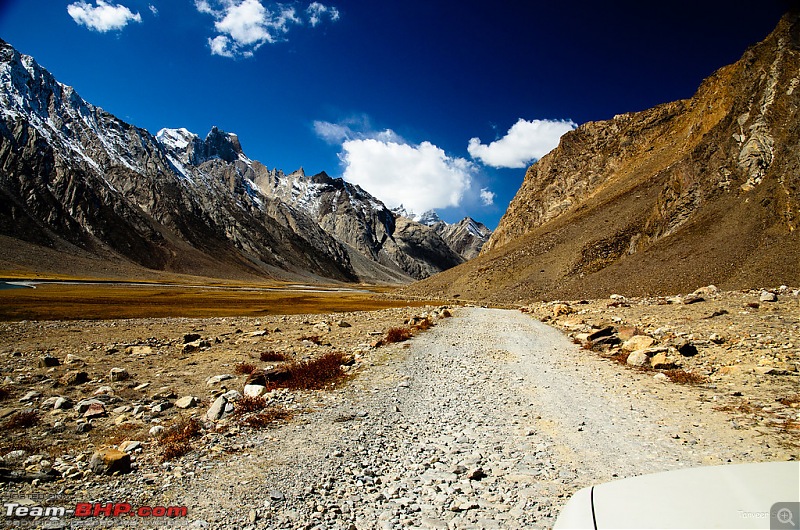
(153, 9)
(316, 12)
(103, 16)
(525, 141)
(356, 128)
(243, 26)
(420, 177)
(487, 197)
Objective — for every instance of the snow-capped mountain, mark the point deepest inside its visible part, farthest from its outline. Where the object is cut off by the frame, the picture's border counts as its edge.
(76, 177)
(465, 238)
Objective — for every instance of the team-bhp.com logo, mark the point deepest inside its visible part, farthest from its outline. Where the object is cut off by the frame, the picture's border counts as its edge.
(88, 509)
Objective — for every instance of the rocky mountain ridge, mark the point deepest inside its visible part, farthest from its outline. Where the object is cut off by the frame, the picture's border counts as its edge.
(465, 237)
(692, 192)
(76, 178)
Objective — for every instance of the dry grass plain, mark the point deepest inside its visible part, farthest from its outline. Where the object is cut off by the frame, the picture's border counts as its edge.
(93, 301)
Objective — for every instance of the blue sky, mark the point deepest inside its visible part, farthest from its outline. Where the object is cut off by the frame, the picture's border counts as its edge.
(433, 104)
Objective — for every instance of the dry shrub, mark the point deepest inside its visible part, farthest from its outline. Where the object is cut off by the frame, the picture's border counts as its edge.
(788, 401)
(316, 373)
(125, 431)
(24, 443)
(272, 356)
(424, 324)
(744, 408)
(683, 377)
(397, 335)
(267, 418)
(22, 419)
(177, 440)
(790, 426)
(244, 368)
(312, 338)
(249, 404)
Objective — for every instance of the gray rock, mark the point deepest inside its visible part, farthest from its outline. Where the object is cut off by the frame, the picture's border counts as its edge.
(638, 358)
(217, 379)
(767, 296)
(217, 409)
(119, 374)
(108, 461)
(187, 402)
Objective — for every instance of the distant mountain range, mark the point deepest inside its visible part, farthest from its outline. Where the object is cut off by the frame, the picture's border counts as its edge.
(694, 192)
(77, 180)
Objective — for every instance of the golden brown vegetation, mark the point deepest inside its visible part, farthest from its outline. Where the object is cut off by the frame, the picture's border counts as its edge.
(272, 356)
(177, 440)
(97, 301)
(244, 368)
(398, 334)
(314, 374)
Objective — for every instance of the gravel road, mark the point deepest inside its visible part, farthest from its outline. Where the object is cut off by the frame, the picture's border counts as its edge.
(489, 420)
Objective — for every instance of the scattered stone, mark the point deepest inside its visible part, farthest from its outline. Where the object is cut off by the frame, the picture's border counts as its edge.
(119, 374)
(686, 348)
(189, 347)
(627, 332)
(139, 350)
(142, 386)
(30, 396)
(187, 402)
(638, 342)
(343, 324)
(767, 296)
(477, 474)
(82, 427)
(156, 431)
(191, 337)
(217, 409)
(48, 361)
(660, 361)
(129, 446)
(74, 378)
(95, 410)
(259, 333)
(161, 406)
(84, 404)
(637, 358)
(72, 359)
(108, 461)
(692, 298)
(254, 390)
(62, 403)
(716, 338)
(217, 379)
(603, 332)
(561, 309)
(709, 290)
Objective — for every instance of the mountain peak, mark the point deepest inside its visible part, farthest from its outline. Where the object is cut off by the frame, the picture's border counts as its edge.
(223, 145)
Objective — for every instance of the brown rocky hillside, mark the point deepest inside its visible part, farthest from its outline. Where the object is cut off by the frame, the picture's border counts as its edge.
(693, 192)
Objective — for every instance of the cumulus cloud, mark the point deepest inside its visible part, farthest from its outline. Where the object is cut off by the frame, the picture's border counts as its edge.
(420, 177)
(243, 26)
(356, 128)
(524, 142)
(317, 12)
(487, 197)
(103, 16)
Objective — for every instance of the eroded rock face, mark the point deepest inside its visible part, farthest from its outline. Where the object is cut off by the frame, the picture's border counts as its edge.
(74, 175)
(737, 131)
(688, 193)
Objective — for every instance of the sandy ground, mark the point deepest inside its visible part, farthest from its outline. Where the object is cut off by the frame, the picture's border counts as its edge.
(540, 412)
